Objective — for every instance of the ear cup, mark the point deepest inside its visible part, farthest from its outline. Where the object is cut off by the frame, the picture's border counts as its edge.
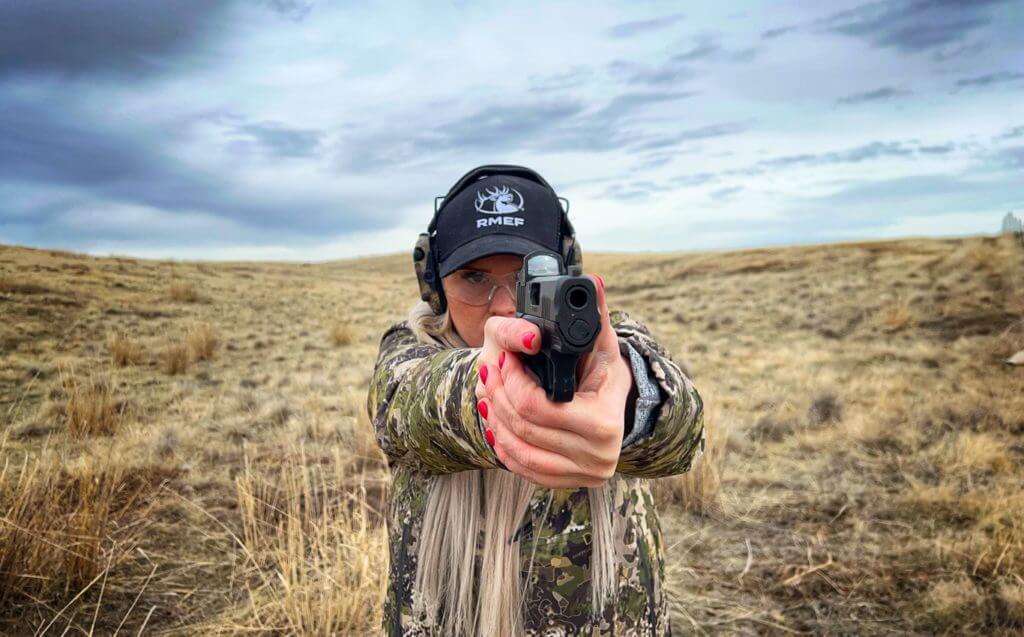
(426, 274)
(572, 254)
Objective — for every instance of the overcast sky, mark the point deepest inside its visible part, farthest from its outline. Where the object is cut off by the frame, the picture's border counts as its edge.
(281, 129)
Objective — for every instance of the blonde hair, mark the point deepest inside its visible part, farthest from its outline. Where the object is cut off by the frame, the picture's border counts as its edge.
(456, 512)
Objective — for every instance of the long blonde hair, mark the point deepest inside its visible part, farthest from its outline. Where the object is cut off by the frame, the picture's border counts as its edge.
(457, 511)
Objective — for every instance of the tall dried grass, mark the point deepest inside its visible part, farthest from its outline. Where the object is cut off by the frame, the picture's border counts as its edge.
(60, 526)
(91, 407)
(202, 341)
(342, 334)
(174, 358)
(184, 292)
(315, 548)
(123, 350)
(899, 315)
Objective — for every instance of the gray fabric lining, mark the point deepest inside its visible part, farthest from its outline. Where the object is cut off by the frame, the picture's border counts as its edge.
(649, 396)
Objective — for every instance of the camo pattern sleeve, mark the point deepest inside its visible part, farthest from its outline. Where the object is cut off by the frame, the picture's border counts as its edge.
(422, 404)
(676, 437)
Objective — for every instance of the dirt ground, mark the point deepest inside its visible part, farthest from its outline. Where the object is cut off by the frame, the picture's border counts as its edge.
(184, 448)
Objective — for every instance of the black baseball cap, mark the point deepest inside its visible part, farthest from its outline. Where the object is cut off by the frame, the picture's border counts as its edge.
(497, 214)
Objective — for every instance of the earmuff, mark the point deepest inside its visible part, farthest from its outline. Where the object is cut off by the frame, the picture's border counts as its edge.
(424, 256)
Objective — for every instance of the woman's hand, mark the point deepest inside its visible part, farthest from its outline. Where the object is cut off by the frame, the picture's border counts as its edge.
(552, 444)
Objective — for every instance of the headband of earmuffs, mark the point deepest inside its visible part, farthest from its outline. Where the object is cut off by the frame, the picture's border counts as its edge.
(425, 255)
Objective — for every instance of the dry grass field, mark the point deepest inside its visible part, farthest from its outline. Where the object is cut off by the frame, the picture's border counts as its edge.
(184, 448)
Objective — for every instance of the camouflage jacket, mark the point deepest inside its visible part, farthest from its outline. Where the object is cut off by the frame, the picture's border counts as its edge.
(421, 402)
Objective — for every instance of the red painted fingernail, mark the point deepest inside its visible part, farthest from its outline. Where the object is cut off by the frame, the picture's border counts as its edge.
(501, 360)
(483, 373)
(601, 279)
(528, 340)
(482, 408)
(490, 436)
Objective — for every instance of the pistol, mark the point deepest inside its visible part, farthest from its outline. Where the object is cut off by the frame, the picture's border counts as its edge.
(563, 304)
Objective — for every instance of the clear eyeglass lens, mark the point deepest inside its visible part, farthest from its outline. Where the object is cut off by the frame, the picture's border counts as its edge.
(478, 288)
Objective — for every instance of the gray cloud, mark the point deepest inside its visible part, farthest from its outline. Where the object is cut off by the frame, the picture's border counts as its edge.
(635, 190)
(90, 151)
(105, 36)
(870, 202)
(550, 125)
(693, 134)
(911, 25)
(858, 154)
(278, 140)
(958, 51)
(865, 205)
(296, 10)
(499, 126)
(867, 152)
(1010, 158)
(771, 34)
(705, 47)
(709, 47)
(651, 75)
(86, 159)
(879, 94)
(725, 193)
(989, 79)
(636, 27)
(1016, 131)
(697, 179)
(680, 66)
(572, 78)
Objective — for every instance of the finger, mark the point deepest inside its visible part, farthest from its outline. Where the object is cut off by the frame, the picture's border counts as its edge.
(533, 417)
(595, 367)
(541, 449)
(596, 372)
(544, 480)
(512, 334)
(606, 338)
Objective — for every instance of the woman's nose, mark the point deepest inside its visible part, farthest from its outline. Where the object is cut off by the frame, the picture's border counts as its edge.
(503, 303)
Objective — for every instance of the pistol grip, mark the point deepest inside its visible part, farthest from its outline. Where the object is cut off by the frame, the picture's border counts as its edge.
(556, 372)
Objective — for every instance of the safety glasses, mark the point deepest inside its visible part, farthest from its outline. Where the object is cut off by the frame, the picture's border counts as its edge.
(473, 287)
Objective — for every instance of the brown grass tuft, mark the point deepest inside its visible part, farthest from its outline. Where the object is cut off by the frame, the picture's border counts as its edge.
(1011, 601)
(981, 452)
(202, 341)
(60, 527)
(342, 334)
(184, 292)
(124, 351)
(953, 603)
(10, 285)
(90, 407)
(898, 316)
(318, 550)
(174, 358)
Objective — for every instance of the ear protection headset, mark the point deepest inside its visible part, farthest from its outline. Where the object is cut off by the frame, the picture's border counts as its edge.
(424, 255)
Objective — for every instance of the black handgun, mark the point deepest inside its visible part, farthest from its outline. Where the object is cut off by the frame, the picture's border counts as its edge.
(564, 306)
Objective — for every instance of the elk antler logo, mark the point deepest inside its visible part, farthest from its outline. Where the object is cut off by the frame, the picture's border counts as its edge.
(499, 201)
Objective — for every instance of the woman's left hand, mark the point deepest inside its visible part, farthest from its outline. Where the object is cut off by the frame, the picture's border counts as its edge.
(560, 445)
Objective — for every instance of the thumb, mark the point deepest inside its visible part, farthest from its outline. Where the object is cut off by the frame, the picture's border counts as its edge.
(595, 364)
(606, 338)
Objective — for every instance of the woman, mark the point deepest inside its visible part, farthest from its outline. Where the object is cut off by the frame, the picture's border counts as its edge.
(511, 514)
